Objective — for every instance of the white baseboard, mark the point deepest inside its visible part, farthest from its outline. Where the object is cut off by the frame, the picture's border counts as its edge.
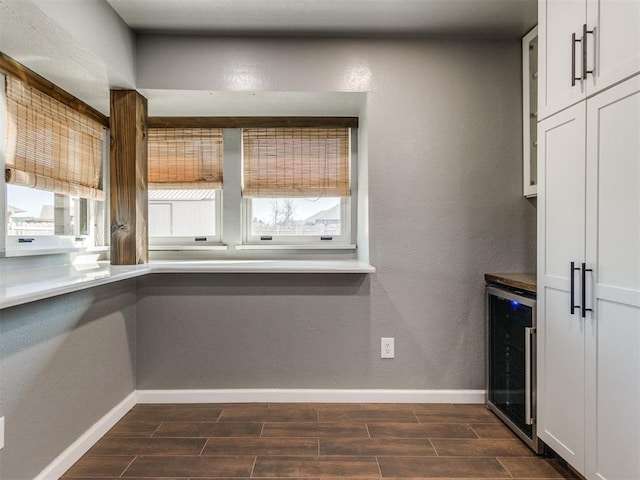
(310, 395)
(88, 439)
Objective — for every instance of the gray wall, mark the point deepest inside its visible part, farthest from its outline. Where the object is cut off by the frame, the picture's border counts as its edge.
(444, 156)
(442, 141)
(66, 362)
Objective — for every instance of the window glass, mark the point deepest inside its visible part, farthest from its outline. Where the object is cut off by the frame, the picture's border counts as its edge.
(182, 213)
(37, 212)
(296, 216)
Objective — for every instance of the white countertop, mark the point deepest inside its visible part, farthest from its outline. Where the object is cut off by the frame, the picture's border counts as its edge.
(26, 286)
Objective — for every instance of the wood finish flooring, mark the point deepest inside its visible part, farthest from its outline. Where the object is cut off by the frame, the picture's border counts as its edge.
(312, 441)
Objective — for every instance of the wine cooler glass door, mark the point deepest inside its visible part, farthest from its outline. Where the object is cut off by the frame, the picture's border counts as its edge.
(510, 356)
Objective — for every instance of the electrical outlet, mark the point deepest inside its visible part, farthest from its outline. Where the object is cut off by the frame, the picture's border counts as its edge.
(386, 348)
(1, 433)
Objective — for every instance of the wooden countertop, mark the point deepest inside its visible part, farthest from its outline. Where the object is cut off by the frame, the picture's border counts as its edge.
(523, 281)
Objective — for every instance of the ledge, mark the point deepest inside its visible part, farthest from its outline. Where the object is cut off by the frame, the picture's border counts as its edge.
(31, 251)
(284, 246)
(22, 287)
(17, 288)
(180, 248)
(262, 266)
(524, 281)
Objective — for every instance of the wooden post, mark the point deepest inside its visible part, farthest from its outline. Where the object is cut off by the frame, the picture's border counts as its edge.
(128, 178)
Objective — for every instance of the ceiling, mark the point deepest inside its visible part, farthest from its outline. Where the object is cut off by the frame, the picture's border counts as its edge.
(484, 18)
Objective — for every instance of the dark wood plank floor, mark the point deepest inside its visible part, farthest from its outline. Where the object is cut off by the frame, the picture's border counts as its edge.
(346, 441)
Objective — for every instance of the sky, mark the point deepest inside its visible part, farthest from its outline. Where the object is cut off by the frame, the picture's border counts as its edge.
(28, 199)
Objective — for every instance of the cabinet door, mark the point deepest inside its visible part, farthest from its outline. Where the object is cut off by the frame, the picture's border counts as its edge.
(613, 252)
(613, 50)
(557, 21)
(561, 229)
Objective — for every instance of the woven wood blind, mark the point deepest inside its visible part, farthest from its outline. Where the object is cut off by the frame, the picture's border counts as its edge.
(185, 158)
(51, 146)
(295, 162)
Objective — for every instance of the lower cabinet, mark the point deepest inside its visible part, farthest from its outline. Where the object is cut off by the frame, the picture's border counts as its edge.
(561, 240)
(613, 252)
(589, 310)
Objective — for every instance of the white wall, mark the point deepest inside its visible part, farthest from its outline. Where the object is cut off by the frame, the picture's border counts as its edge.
(95, 25)
(82, 46)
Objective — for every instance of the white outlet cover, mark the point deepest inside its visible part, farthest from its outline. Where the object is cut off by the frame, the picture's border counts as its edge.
(387, 349)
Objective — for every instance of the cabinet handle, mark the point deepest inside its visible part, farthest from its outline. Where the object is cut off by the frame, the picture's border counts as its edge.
(574, 40)
(584, 51)
(584, 309)
(528, 378)
(573, 287)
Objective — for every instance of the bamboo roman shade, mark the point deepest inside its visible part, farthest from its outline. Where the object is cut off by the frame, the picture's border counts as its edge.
(50, 146)
(185, 158)
(295, 162)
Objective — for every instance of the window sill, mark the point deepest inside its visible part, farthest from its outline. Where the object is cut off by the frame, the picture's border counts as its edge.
(179, 248)
(262, 266)
(27, 286)
(28, 251)
(316, 246)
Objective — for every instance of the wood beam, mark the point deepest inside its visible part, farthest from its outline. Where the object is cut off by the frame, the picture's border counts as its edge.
(253, 122)
(10, 67)
(128, 178)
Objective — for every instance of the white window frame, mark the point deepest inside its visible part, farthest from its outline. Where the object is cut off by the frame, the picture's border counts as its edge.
(97, 211)
(335, 241)
(348, 214)
(211, 242)
(232, 216)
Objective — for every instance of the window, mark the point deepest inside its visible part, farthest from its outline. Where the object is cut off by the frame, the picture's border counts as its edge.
(53, 172)
(39, 212)
(296, 186)
(185, 182)
(290, 190)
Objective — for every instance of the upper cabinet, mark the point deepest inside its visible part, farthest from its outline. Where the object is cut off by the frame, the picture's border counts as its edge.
(585, 47)
(530, 113)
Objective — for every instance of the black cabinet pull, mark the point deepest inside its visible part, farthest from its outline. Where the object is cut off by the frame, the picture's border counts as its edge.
(584, 51)
(573, 287)
(584, 309)
(574, 40)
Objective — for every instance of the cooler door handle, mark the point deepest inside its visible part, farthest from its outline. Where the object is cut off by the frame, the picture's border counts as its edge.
(529, 332)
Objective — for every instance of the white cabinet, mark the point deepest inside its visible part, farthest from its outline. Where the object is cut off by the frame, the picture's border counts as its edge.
(558, 20)
(561, 240)
(613, 252)
(589, 214)
(585, 47)
(530, 113)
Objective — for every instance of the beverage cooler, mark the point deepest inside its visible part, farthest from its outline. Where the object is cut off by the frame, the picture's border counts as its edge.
(511, 361)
